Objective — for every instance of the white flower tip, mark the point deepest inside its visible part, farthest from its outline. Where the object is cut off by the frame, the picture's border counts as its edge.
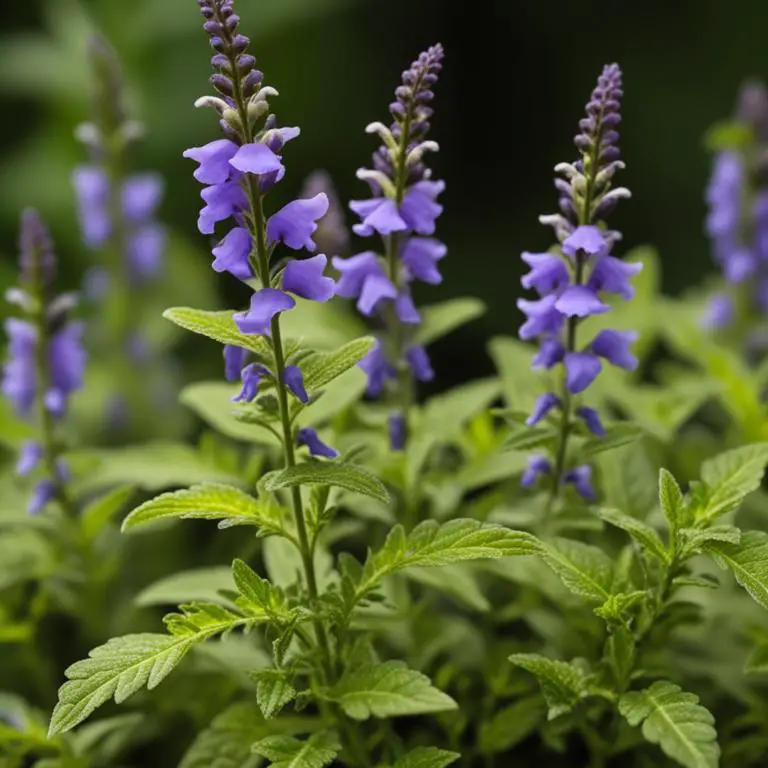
(376, 127)
(264, 93)
(211, 101)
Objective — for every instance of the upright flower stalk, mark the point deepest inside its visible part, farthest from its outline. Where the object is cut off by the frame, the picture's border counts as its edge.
(238, 172)
(571, 281)
(117, 215)
(737, 220)
(403, 211)
(46, 363)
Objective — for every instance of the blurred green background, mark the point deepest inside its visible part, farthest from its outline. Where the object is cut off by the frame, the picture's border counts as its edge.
(517, 75)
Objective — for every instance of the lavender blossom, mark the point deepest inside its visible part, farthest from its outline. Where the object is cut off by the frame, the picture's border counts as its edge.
(737, 220)
(47, 359)
(237, 172)
(403, 211)
(573, 280)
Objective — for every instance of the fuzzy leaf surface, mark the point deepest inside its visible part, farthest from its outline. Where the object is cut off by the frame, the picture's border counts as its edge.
(427, 757)
(586, 570)
(351, 477)
(562, 684)
(319, 750)
(748, 560)
(322, 368)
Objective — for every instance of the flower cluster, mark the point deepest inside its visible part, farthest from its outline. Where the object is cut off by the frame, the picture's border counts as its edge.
(403, 210)
(47, 359)
(237, 171)
(737, 221)
(572, 280)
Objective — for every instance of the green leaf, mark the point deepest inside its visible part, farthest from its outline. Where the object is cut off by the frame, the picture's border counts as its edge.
(427, 757)
(728, 135)
(641, 532)
(103, 741)
(322, 368)
(438, 320)
(204, 584)
(432, 544)
(25, 555)
(521, 384)
(126, 664)
(562, 684)
(586, 570)
(286, 752)
(456, 580)
(511, 724)
(206, 502)
(351, 477)
(227, 741)
(152, 466)
(528, 439)
(730, 476)
(748, 560)
(273, 691)
(388, 690)
(212, 402)
(616, 435)
(696, 538)
(671, 500)
(219, 326)
(99, 512)
(257, 593)
(675, 721)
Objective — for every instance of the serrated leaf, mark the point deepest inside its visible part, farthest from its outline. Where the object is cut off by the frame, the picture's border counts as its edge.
(730, 476)
(319, 750)
(205, 502)
(124, 665)
(219, 326)
(616, 435)
(586, 570)
(273, 691)
(438, 320)
(641, 532)
(562, 684)
(322, 368)
(203, 584)
(427, 757)
(432, 544)
(511, 724)
(259, 595)
(675, 721)
(671, 500)
(351, 477)
(748, 560)
(696, 538)
(388, 690)
(99, 512)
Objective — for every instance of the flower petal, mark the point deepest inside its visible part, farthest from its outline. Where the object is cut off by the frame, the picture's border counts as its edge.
(545, 403)
(256, 158)
(614, 347)
(586, 239)
(233, 252)
(294, 380)
(214, 159)
(420, 256)
(296, 222)
(265, 304)
(580, 301)
(581, 370)
(317, 447)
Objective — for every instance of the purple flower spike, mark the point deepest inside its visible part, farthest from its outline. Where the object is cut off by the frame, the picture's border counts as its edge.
(588, 240)
(614, 347)
(92, 192)
(592, 419)
(548, 273)
(19, 374)
(265, 304)
(420, 256)
(252, 376)
(30, 455)
(141, 196)
(294, 380)
(418, 359)
(546, 403)
(295, 223)
(378, 369)
(306, 279)
(67, 364)
(317, 447)
(537, 466)
(234, 361)
(232, 254)
(254, 158)
(45, 492)
(580, 301)
(581, 370)
(214, 161)
(145, 251)
(581, 479)
(398, 431)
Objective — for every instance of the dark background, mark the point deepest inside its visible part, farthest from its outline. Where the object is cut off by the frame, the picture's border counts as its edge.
(517, 75)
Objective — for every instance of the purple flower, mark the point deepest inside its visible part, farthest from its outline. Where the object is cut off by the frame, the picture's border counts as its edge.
(67, 365)
(418, 359)
(256, 158)
(317, 447)
(306, 278)
(145, 251)
(141, 196)
(214, 160)
(232, 254)
(92, 192)
(612, 276)
(294, 380)
(543, 317)
(548, 273)
(251, 376)
(30, 455)
(420, 210)
(580, 301)
(546, 403)
(614, 347)
(45, 492)
(537, 466)
(234, 361)
(398, 431)
(581, 479)
(222, 201)
(592, 419)
(720, 312)
(406, 309)
(295, 223)
(581, 369)
(378, 369)
(265, 305)
(19, 373)
(551, 352)
(378, 215)
(588, 240)
(420, 255)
